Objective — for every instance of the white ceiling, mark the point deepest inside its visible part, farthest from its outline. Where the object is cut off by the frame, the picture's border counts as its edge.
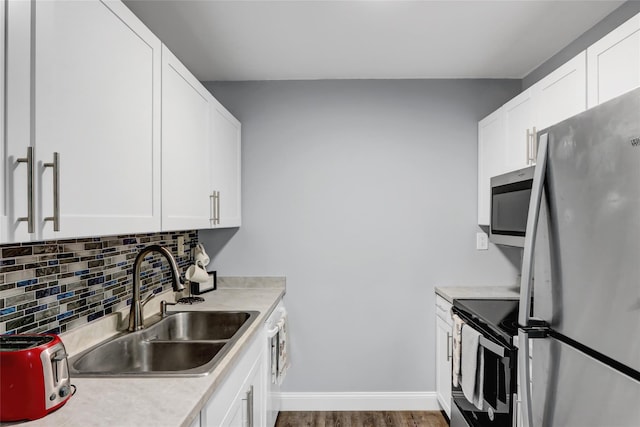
(296, 40)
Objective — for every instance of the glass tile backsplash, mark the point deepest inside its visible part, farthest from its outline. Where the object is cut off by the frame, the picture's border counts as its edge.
(55, 286)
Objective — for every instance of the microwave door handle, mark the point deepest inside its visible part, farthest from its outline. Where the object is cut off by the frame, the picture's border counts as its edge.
(530, 235)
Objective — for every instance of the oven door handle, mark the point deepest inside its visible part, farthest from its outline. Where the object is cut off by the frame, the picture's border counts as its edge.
(491, 346)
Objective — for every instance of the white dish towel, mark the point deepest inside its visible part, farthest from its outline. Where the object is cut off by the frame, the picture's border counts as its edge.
(457, 338)
(283, 347)
(472, 366)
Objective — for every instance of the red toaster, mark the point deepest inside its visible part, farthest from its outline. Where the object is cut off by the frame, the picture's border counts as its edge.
(34, 376)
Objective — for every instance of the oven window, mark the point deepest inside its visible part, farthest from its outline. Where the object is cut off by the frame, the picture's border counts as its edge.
(495, 380)
(510, 207)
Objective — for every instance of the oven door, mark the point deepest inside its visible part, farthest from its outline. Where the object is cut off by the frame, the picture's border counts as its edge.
(498, 388)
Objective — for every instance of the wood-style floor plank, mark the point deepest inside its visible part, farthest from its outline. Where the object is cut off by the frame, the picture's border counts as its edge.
(362, 419)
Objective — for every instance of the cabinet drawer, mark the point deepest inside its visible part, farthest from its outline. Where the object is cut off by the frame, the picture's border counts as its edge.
(443, 309)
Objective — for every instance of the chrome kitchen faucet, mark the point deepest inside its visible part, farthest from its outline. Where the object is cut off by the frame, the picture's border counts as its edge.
(135, 314)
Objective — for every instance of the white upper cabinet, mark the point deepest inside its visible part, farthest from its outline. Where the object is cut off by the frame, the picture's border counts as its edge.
(519, 121)
(84, 96)
(613, 63)
(491, 159)
(3, 221)
(225, 167)
(186, 150)
(507, 137)
(561, 94)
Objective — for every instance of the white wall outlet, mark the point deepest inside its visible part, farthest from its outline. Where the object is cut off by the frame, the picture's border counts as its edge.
(482, 241)
(180, 245)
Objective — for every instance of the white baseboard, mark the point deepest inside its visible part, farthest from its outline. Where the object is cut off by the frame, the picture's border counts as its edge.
(392, 401)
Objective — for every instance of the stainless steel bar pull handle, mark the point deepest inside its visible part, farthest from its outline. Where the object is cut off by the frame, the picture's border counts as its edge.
(30, 195)
(249, 407)
(449, 349)
(528, 147)
(218, 207)
(534, 146)
(56, 191)
(212, 201)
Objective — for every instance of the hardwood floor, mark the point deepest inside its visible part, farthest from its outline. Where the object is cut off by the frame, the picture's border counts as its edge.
(362, 419)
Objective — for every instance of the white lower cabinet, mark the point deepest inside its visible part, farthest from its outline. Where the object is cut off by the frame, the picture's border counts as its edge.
(444, 348)
(240, 401)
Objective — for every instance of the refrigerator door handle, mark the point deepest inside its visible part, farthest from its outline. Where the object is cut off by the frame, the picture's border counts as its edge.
(530, 235)
(525, 378)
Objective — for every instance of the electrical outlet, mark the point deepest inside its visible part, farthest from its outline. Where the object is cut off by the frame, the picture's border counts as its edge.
(180, 245)
(482, 241)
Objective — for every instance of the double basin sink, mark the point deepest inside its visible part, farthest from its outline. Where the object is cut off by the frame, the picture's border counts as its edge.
(185, 343)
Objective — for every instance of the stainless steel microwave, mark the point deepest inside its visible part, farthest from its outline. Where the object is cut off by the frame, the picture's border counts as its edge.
(510, 194)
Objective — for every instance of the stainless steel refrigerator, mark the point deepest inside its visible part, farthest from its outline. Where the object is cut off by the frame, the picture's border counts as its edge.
(580, 290)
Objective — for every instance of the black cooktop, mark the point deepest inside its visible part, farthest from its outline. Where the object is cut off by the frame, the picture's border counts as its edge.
(495, 317)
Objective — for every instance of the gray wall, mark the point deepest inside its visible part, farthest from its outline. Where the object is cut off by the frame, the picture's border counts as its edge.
(363, 194)
(613, 20)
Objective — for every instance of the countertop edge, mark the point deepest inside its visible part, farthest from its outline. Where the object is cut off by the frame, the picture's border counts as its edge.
(450, 293)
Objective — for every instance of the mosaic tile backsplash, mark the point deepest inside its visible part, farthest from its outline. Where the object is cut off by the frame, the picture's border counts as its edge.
(55, 286)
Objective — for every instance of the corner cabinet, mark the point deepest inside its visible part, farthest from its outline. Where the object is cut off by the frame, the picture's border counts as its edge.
(82, 121)
(241, 399)
(201, 144)
(225, 167)
(613, 63)
(444, 349)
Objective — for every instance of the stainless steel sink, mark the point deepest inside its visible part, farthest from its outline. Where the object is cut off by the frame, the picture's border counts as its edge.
(199, 325)
(187, 343)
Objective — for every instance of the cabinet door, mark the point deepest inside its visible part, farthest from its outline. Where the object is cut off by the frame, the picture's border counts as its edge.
(518, 117)
(491, 159)
(185, 147)
(236, 415)
(561, 94)
(613, 63)
(18, 132)
(2, 127)
(96, 91)
(248, 408)
(225, 166)
(229, 406)
(443, 364)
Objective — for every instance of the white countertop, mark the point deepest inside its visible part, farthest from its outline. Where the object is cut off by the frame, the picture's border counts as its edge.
(478, 292)
(142, 402)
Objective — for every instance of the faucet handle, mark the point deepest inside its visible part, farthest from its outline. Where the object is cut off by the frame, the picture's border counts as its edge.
(163, 307)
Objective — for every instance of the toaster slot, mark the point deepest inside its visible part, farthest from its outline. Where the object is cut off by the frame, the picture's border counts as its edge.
(59, 367)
